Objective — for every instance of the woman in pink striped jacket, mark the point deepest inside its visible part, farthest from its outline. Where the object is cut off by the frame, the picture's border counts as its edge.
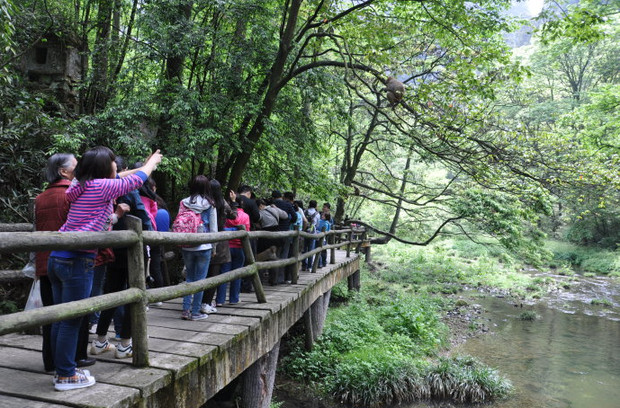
(91, 195)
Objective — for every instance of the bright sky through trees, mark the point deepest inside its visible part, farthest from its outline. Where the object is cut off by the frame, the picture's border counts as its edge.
(534, 6)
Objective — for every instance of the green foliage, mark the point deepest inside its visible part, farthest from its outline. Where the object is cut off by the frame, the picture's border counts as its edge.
(413, 319)
(579, 22)
(275, 404)
(586, 259)
(601, 302)
(7, 44)
(404, 328)
(447, 264)
(218, 88)
(25, 133)
(8, 307)
(598, 227)
(510, 221)
(528, 315)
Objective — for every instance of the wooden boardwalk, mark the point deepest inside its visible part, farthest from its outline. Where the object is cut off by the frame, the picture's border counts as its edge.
(189, 361)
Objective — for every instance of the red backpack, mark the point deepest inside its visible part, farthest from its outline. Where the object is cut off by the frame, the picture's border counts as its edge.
(186, 220)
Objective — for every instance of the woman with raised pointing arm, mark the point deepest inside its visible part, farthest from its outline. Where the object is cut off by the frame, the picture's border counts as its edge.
(91, 195)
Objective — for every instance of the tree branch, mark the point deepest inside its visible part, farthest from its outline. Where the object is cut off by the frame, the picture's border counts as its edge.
(387, 237)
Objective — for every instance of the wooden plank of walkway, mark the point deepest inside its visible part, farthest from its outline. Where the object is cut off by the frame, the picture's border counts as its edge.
(189, 361)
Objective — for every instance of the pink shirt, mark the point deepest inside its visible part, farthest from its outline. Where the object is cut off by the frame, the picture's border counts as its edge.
(242, 219)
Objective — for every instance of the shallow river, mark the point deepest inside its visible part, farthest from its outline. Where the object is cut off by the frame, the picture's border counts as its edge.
(568, 357)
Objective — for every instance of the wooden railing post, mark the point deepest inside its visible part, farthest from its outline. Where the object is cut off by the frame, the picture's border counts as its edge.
(135, 267)
(295, 274)
(362, 238)
(332, 252)
(249, 260)
(349, 238)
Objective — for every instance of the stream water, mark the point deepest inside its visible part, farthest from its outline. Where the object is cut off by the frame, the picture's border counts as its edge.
(568, 357)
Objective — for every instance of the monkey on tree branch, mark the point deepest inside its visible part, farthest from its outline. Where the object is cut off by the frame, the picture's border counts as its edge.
(395, 91)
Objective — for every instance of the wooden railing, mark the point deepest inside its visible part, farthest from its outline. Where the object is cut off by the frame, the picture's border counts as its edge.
(136, 295)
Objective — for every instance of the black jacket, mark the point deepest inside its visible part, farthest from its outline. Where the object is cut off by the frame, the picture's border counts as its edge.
(290, 210)
(250, 208)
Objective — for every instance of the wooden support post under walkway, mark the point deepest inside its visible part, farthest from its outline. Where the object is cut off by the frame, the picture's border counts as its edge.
(188, 361)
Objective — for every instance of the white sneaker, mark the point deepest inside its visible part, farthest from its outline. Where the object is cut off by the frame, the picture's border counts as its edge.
(206, 308)
(79, 380)
(124, 352)
(77, 370)
(93, 329)
(101, 347)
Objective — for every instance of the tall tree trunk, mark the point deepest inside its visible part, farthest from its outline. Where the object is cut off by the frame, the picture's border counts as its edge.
(351, 162)
(403, 186)
(84, 92)
(123, 52)
(98, 96)
(275, 78)
(173, 77)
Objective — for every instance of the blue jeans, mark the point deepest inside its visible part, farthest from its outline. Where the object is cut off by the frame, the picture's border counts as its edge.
(98, 280)
(309, 245)
(71, 279)
(196, 266)
(237, 259)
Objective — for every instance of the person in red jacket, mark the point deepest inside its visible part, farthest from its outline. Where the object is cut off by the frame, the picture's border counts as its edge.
(237, 256)
(51, 209)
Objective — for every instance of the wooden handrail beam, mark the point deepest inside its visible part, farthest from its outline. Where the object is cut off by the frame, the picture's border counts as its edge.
(23, 227)
(184, 289)
(48, 240)
(19, 321)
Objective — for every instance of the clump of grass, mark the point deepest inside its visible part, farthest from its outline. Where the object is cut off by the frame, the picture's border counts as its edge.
(528, 315)
(464, 379)
(565, 271)
(601, 302)
(380, 378)
(461, 303)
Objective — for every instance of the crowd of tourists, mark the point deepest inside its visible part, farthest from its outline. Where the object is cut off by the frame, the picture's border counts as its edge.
(94, 194)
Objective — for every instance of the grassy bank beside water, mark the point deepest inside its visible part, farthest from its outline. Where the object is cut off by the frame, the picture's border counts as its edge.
(388, 344)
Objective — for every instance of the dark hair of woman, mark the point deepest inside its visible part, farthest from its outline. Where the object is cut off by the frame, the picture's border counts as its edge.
(147, 190)
(218, 202)
(56, 163)
(121, 164)
(158, 199)
(199, 186)
(96, 163)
